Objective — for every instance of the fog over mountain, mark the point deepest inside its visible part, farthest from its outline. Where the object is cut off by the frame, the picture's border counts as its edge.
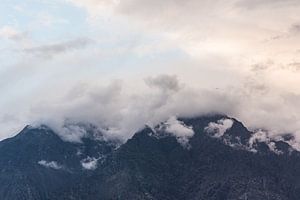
(150, 99)
(123, 64)
(206, 157)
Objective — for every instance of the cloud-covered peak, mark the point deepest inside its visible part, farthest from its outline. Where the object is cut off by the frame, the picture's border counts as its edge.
(122, 64)
(179, 130)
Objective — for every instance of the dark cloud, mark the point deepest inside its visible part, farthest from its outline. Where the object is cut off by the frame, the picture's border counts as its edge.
(50, 50)
(164, 82)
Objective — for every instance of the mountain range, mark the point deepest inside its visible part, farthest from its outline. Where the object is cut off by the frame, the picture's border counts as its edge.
(211, 157)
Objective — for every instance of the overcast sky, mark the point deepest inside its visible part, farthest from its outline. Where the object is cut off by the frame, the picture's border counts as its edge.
(121, 64)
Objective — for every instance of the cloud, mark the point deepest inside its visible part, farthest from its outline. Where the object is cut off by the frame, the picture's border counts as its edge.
(164, 82)
(89, 163)
(295, 28)
(273, 148)
(255, 4)
(72, 133)
(259, 136)
(178, 129)
(50, 50)
(219, 58)
(51, 164)
(93, 5)
(218, 129)
(116, 110)
(295, 66)
(221, 29)
(265, 137)
(11, 33)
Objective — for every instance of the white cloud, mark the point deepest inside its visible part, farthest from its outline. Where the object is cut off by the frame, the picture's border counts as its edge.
(263, 136)
(51, 164)
(259, 136)
(218, 129)
(198, 23)
(72, 133)
(210, 47)
(89, 163)
(273, 148)
(295, 144)
(178, 129)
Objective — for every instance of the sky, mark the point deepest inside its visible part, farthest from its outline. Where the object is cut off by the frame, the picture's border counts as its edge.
(121, 64)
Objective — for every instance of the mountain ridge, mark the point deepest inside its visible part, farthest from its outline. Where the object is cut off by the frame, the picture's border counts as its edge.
(38, 164)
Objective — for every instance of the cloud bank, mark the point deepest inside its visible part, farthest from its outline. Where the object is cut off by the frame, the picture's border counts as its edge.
(120, 108)
(136, 62)
(119, 113)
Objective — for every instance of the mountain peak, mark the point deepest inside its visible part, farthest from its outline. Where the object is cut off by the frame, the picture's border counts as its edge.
(207, 157)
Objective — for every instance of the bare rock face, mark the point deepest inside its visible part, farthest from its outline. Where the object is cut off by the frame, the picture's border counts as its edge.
(221, 160)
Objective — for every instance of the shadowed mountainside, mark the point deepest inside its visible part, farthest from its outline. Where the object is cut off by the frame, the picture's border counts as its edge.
(153, 164)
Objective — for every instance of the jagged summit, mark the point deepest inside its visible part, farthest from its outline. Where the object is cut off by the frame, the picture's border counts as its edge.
(209, 157)
(229, 131)
(218, 126)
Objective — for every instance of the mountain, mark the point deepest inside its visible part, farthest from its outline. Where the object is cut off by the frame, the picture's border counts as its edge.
(37, 163)
(208, 158)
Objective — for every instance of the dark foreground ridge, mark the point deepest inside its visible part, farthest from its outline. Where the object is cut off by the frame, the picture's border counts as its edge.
(153, 165)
